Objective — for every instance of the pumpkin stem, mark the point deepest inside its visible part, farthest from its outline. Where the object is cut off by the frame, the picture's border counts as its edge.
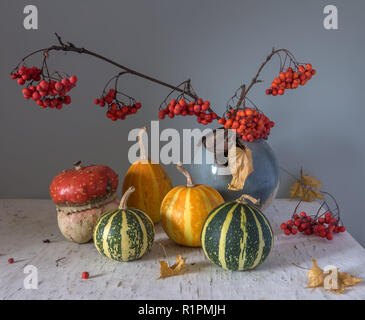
(123, 202)
(243, 199)
(143, 155)
(77, 165)
(189, 180)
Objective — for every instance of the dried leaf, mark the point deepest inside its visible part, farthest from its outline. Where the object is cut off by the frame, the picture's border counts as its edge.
(315, 276)
(345, 280)
(240, 165)
(305, 188)
(176, 269)
(311, 182)
(316, 279)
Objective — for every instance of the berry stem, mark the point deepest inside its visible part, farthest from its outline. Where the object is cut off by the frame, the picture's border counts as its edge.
(242, 96)
(69, 47)
(255, 79)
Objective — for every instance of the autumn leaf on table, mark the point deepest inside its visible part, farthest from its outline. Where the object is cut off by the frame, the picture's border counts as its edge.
(346, 280)
(176, 269)
(306, 188)
(316, 278)
(240, 165)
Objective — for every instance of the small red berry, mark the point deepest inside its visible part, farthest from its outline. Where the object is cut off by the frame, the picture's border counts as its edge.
(342, 229)
(67, 100)
(308, 231)
(85, 275)
(36, 95)
(182, 103)
(66, 82)
(73, 79)
(197, 108)
(205, 106)
(11, 260)
(58, 86)
(161, 115)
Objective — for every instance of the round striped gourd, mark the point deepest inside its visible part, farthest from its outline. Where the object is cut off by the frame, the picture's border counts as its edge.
(151, 181)
(237, 236)
(124, 234)
(185, 208)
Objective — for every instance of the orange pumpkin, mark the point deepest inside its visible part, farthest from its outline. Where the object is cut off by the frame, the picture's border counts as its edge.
(151, 182)
(185, 208)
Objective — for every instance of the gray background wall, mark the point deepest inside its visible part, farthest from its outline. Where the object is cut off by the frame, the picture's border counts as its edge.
(218, 44)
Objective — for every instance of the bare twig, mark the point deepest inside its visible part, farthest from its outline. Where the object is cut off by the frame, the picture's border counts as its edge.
(70, 47)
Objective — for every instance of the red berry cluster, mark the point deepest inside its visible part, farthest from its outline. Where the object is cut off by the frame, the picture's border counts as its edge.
(115, 109)
(323, 226)
(249, 123)
(199, 108)
(45, 93)
(291, 79)
(25, 74)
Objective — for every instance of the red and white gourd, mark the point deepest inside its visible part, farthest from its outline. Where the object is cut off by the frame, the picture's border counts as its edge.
(82, 195)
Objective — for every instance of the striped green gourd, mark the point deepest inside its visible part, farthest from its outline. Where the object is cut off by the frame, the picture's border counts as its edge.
(237, 236)
(124, 234)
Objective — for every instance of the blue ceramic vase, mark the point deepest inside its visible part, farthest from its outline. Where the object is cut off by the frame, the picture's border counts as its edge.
(262, 183)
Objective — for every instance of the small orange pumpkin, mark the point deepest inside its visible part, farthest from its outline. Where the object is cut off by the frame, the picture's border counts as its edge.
(185, 208)
(151, 182)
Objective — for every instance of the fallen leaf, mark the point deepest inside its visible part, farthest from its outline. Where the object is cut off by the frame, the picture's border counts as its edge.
(316, 279)
(315, 276)
(306, 188)
(345, 280)
(176, 269)
(240, 165)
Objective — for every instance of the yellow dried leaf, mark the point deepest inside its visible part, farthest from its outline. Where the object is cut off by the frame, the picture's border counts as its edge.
(316, 279)
(315, 276)
(296, 190)
(305, 187)
(176, 269)
(240, 165)
(345, 280)
(310, 181)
